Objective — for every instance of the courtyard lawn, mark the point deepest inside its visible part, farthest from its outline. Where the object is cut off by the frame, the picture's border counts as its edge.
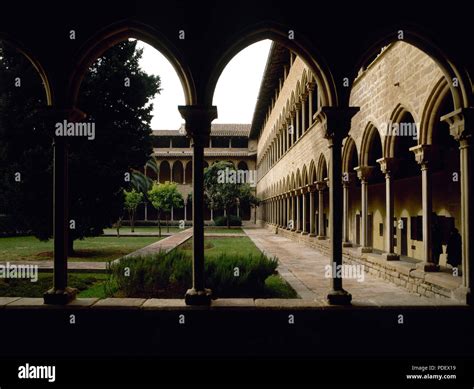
(88, 284)
(275, 285)
(223, 230)
(232, 246)
(144, 229)
(98, 249)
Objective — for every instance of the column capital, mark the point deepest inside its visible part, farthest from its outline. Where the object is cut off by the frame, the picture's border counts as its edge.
(321, 185)
(461, 123)
(364, 172)
(348, 177)
(336, 121)
(424, 154)
(198, 119)
(310, 86)
(388, 165)
(297, 105)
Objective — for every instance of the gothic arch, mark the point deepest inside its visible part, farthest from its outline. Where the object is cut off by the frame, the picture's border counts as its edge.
(278, 33)
(322, 171)
(371, 133)
(118, 32)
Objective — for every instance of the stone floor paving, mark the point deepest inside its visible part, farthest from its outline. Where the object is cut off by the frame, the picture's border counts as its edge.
(304, 268)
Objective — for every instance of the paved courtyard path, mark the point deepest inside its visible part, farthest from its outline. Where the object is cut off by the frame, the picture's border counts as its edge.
(166, 244)
(303, 267)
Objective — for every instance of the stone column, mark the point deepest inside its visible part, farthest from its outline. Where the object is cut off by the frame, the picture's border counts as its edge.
(60, 293)
(198, 126)
(293, 130)
(310, 86)
(303, 198)
(320, 186)
(282, 211)
(277, 212)
(273, 211)
(346, 185)
(298, 124)
(336, 124)
(388, 165)
(274, 206)
(288, 211)
(424, 155)
(364, 173)
(312, 228)
(298, 213)
(287, 135)
(292, 197)
(461, 123)
(185, 212)
(303, 112)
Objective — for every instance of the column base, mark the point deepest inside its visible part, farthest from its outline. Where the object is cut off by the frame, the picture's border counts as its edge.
(304, 233)
(346, 244)
(365, 250)
(198, 297)
(298, 231)
(312, 235)
(321, 237)
(430, 267)
(59, 296)
(391, 256)
(339, 297)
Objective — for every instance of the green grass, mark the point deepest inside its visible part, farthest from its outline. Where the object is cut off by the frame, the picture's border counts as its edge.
(223, 230)
(143, 229)
(277, 287)
(88, 284)
(98, 249)
(232, 246)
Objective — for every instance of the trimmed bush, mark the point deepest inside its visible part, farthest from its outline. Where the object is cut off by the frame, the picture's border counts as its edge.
(166, 275)
(235, 221)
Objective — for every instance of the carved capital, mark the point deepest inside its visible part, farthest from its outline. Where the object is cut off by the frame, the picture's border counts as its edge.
(348, 178)
(321, 185)
(364, 172)
(461, 123)
(310, 86)
(198, 121)
(424, 154)
(336, 121)
(388, 165)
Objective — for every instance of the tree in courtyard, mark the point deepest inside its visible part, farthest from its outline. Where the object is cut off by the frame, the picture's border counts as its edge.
(133, 199)
(116, 95)
(221, 191)
(164, 197)
(247, 197)
(25, 149)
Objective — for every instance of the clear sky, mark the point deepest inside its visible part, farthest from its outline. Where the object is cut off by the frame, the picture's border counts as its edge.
(236, 92)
